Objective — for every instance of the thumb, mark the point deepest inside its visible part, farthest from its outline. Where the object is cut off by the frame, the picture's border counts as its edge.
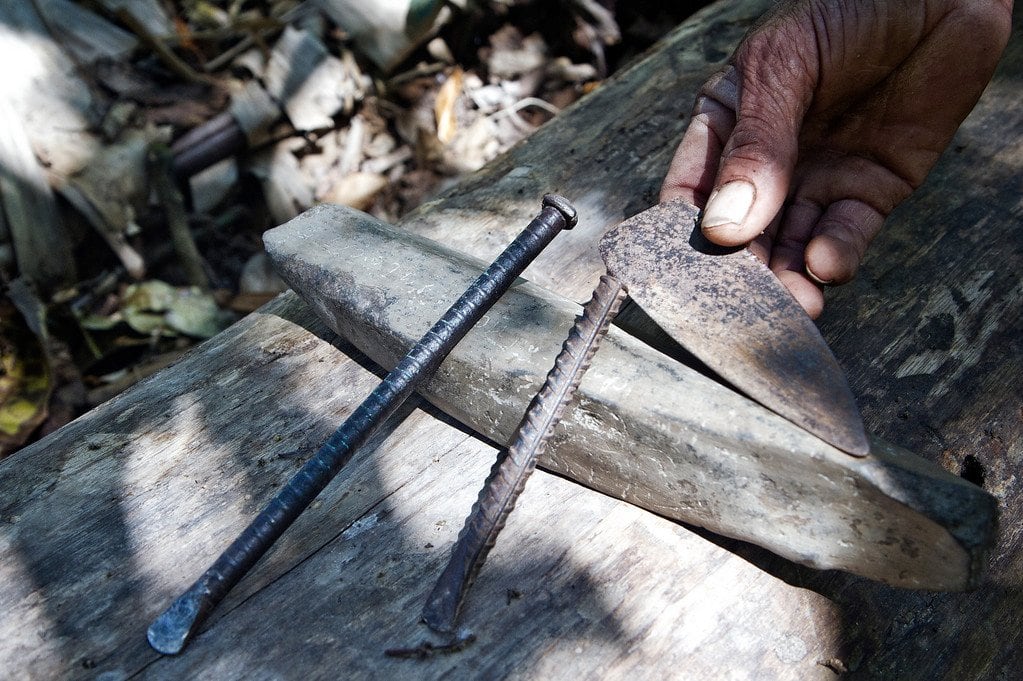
(759, 156)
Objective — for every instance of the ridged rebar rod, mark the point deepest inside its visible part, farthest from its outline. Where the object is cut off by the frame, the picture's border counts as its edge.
(513, 467)
(170, 631)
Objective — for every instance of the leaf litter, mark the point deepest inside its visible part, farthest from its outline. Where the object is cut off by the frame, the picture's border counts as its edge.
(172, 134)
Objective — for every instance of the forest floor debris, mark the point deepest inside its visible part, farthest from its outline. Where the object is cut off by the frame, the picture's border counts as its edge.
(156, 141)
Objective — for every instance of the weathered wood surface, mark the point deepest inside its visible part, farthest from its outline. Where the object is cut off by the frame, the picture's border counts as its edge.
(122, 510)
(644, 428)
(105, 521)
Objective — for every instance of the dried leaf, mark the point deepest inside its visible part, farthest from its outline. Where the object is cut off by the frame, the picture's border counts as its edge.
(444, 107)
(156, 307)
(197, 314)
(287, 189)
(511, 55)
(95, 322)
(145, 323)
(150, 296)
(113, 189)
(357, 190)
(25, 380)
(473, 147)
(311, 84)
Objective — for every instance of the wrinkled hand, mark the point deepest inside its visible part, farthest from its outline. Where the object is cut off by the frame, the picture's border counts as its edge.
(830, 113)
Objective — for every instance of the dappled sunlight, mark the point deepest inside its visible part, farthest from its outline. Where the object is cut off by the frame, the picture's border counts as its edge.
(52, 102)
(107, 520)
(197, 482)
(571, 576)
(21, 48)
(364, 583)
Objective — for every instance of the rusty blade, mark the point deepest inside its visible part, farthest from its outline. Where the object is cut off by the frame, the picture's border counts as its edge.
(729, 310)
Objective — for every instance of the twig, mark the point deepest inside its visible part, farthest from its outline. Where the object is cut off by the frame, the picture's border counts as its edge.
(256, 37)
(201, 147)
(381, 164)
(173, 62)
(160, 162)
(418, 71)
(351, 155)
(528, 101)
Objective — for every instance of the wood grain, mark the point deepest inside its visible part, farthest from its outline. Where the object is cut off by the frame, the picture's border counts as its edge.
(106, 520)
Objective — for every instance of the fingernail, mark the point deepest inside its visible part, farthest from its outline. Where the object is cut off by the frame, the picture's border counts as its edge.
(729, 205)
(817, 279)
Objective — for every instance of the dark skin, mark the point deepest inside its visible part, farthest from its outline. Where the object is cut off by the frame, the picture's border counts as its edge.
(829, 114)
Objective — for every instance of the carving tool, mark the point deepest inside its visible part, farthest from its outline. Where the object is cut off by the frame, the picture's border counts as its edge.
(724, 306)
(172, 630)
(647, 428)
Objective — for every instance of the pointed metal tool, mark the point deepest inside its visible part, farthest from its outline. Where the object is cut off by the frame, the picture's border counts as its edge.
(729, 310)
(508, 477)
(651, 430)
(724, 306)
(172, 630)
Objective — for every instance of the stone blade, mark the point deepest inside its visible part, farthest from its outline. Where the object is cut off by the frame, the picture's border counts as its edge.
(728, 309)
(645, 428)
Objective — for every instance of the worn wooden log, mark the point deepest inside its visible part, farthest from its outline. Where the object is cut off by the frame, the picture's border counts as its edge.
(645, 428)
(106, 520)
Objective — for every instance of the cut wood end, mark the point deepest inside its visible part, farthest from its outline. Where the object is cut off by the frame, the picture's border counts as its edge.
(172, 630)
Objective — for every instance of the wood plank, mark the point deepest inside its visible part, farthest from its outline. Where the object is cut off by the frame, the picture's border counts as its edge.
(379, 575)
(85, 514)
(105, 522)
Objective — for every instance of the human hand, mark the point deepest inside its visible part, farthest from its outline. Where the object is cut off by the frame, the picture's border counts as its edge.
(829, 114)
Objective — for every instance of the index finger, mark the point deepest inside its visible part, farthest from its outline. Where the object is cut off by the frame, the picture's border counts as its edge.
(694, 167)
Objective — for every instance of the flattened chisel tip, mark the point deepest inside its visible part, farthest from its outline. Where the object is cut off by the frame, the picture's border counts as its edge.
(175, 626)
